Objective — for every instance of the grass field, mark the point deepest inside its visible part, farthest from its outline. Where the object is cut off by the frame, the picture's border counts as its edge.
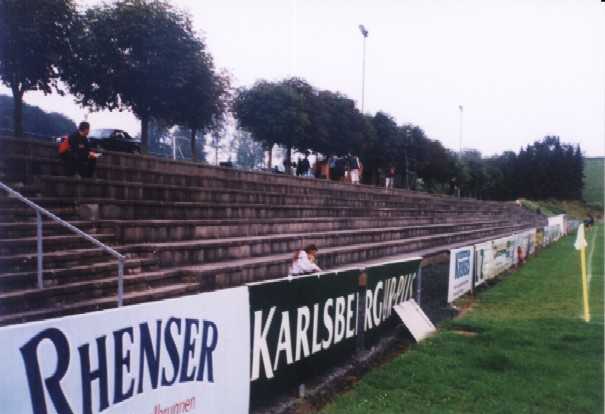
(522, 348)
(594, 170)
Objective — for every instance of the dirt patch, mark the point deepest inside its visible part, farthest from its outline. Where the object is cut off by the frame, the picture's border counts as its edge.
(465, 333)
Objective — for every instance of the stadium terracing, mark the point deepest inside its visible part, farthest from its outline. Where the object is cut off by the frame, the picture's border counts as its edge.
(187, 228)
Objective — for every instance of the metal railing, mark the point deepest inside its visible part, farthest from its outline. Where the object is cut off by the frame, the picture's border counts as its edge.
(39, 244)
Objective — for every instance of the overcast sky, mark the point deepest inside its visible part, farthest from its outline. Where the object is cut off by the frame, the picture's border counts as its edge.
(522, 69)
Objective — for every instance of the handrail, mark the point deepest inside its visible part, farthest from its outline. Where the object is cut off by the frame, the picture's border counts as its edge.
(39, 247)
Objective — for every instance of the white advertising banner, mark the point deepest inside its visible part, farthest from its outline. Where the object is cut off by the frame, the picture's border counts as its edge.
(184, 355)
(503, 252)
(493, 258)
(525, 243)
(552, 233)
(482, 258)
(461, 272)
(531, 247)
(558, 220)
(572, 225)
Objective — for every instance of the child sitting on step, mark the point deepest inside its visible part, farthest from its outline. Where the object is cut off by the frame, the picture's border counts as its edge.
(303, 261)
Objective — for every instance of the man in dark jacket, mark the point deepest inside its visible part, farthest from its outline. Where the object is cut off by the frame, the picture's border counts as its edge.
(80, 157)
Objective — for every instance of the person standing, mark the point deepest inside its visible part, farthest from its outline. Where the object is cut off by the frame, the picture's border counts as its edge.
(305, 166)
(390, 177)
(77, 153)
(299, 167)
(355, 167)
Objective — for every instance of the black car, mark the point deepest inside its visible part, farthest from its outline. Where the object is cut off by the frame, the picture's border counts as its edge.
(114, 140)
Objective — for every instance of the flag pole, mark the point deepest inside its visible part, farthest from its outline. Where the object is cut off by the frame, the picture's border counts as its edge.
(585, 285)
(580, 245)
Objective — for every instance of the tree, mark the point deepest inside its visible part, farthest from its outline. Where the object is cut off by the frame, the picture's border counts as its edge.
(203, 98)
(160, 141)
(134, 54)
(183, 141)
(274, 113)
(216, 139)
(249, 153)
(336, 125)
(33, 43)
(377, 151)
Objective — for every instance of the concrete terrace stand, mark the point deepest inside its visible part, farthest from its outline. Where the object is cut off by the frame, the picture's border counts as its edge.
(188, 228)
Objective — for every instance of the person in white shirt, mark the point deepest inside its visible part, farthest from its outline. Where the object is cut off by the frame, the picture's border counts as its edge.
(303, 261)
(355, 166)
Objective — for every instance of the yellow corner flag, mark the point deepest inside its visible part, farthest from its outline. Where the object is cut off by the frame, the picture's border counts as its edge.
(581, 245)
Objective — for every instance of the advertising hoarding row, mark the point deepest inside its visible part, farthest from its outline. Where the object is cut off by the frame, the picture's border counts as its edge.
(215, 352)
(474, 265)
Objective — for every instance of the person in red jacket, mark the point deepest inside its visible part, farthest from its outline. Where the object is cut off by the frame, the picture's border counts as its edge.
(77, 153)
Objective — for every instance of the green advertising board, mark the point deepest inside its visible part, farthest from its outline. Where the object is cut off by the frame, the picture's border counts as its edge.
(301, 326)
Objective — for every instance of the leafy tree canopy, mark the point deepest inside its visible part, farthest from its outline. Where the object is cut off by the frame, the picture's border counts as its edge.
(34, 42)
(137, 55)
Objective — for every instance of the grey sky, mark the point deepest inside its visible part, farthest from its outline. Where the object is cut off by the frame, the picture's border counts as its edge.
(522, 68)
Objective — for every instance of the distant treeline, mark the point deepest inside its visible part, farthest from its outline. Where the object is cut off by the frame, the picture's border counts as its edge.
(544, 169)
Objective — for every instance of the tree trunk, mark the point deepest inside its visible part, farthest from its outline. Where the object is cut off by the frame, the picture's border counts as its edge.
(145, 134)
(193, 152)
(17, 112)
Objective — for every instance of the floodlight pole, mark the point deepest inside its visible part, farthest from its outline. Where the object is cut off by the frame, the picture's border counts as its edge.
(460, 135)
(364, 33)
(461, 108)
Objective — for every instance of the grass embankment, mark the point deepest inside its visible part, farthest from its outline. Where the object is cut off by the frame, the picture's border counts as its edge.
(594, 173)
(522, 348)
(574, 208)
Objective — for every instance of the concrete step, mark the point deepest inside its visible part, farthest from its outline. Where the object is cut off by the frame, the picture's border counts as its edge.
(66, 187)
(235, 272)
(151, 170)
(25, 262)
(120, 209)
(50, 228)
(136, 231)
(18, 212)
(70, 307)
(74, 297)
(152, 209)
(227, 249)
(30, 299)
(50, 243)
(61, 275)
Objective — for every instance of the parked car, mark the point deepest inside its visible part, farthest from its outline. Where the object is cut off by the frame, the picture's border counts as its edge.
(114, 140)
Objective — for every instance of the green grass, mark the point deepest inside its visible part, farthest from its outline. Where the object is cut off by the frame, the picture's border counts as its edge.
(594, 170)
(532, 353)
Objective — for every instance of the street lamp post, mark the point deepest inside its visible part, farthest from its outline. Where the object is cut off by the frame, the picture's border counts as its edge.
(408, 141)
(460, 137)
(364, 33)
(460, 147)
